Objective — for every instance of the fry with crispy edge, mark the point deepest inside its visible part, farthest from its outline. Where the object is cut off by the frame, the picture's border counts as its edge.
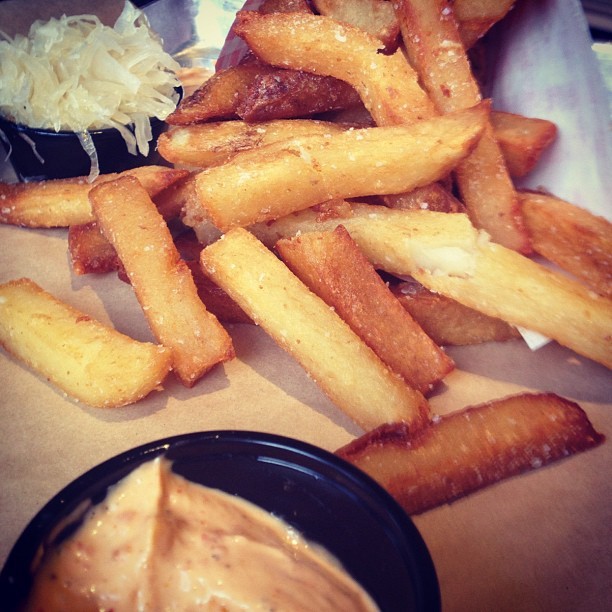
(471, 449)
(301, 323)
(376, 17)
(446, 321)
(476, 17)
(446, 254)
(162, 282)
(211, 144)
(64, 202)
(387, 85)
(331, 265)
(89, 361)
(272, 181)
(571, 237)
(435, 50)
(522, 140)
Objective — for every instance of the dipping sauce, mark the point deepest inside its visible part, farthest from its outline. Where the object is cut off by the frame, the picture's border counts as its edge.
(161, 542)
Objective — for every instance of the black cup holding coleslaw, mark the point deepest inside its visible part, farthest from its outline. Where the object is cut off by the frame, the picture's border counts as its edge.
(38, 154)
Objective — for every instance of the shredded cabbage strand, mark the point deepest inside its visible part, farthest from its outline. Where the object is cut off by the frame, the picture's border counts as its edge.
(77, 74)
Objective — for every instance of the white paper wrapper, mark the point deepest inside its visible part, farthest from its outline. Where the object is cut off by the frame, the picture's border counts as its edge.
(545, 67)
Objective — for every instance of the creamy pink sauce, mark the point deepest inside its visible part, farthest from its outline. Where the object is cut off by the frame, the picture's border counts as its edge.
(161, 542)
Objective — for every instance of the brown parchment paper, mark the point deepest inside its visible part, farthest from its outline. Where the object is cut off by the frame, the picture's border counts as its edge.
(540, 541)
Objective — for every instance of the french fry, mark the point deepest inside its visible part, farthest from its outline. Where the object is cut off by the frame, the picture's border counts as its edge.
(345, 368)
(214, 298)
(571, 237)
(376, 17)
(387, 85)
(446, 254)
(293, 93)
(476, 17)
(90, 252)
(218, 97)
(435, 50)
(429, 197)
(273, 181)
(471, 449)
(522, 140)
(64, 202)
(211, 144)
(446, 321)
(284, 6)
(162, 282)
(89, 361)
(332, 266)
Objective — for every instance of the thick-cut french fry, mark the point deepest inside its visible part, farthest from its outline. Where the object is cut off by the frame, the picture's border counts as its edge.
(90, 252)
(572, 237)
(476, 17)
(522, 140)
(89, 361)
(346, 369)
(429, 197)
(388, 86)
(257, 91)
(214, 298)
(294, 93)
(211, 144)
(64, 202)
(435, 50)
(284, 6)
(468, 450)
(219, 96)
(376, 17)
(162, 282)
(273, 181)
(448, 322)
(446, 254)
(332, 266)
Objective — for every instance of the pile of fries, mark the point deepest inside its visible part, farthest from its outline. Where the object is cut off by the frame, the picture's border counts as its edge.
(346, 188)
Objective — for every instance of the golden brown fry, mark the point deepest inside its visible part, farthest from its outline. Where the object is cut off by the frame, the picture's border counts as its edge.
(387, 85)
(284, 6)
(522, 140)
(64, 202)
(286, 94)
(211, 144)
(573, 238)
(90, 252)
(476, 17)
(446, 254)
(215, 299)
(219, 96)
(346, 369)
(448, 322)
(256, 91)
(332, 266)
(376, 17)
(469, 450)
(273, 181)
(161, 281)
(429, 197)
(89, 361)
(435, 50)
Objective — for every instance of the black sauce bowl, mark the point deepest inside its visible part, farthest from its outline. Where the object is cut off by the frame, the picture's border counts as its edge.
(326, 499)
